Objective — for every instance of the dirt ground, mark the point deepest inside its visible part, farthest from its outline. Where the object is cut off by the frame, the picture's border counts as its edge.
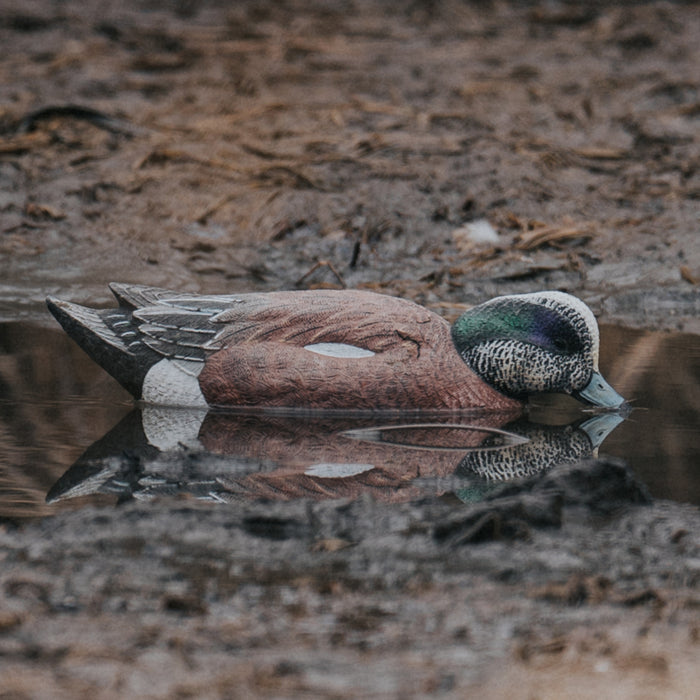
(574, 585)
(220, 146)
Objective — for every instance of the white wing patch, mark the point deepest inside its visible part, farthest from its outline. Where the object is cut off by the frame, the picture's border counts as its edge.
(337, 470)
(173, 383)
(338, 350)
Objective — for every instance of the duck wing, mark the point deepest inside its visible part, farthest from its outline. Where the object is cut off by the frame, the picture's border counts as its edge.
(177, 325)
(365, 320)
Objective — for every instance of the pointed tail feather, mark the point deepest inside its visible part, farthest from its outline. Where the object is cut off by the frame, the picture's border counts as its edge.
(138, 295)
(87, 327)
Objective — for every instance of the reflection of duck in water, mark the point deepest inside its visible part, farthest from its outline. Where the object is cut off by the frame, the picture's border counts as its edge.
(543, 447)
(340, 349)
(282, 457)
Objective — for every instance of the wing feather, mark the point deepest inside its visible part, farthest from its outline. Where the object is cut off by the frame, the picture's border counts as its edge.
(190, 326)
(363, 319)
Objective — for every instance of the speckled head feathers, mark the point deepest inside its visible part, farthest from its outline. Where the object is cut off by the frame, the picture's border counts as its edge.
(531, 343)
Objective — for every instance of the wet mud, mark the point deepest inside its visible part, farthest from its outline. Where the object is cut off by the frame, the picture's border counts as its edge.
(217, 147)
(576, 578)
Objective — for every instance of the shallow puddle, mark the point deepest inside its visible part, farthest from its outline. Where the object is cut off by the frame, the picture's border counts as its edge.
(71, 434)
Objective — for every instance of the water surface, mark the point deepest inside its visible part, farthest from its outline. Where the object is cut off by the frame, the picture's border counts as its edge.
(70, 432)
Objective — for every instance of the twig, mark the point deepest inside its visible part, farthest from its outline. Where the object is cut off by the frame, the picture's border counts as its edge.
(316, 266)
(99, 119)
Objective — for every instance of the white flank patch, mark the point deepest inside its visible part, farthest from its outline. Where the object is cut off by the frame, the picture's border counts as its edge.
(169, 428)
(173, 383)
(338, 350)
(337, 470)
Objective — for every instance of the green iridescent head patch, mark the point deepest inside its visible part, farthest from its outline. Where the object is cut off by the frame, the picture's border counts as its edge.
(513, 318)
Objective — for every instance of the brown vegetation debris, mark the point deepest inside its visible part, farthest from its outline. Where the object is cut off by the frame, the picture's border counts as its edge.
(527, 650)
(283, 176)
(552, 235)
(688, 276)
(321, 264)
(163, 155)
(43, 211)
(601, 153)
(24, 142)
(576, 591)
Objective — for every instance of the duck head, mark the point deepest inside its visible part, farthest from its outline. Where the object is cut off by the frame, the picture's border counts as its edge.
(527, 344)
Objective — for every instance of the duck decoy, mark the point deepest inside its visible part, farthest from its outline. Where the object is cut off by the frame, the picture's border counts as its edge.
(340, 349)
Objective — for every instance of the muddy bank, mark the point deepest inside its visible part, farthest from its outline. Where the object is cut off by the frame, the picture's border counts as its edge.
(575, 574)
(219, 148)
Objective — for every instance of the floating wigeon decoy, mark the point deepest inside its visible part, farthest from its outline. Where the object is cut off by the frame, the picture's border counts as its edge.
(340, 349)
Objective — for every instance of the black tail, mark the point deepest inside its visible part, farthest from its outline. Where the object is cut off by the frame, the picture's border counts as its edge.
(95, 331)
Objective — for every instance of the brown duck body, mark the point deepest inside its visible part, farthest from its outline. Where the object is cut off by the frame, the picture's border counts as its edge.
(340, 349)
(264, 360)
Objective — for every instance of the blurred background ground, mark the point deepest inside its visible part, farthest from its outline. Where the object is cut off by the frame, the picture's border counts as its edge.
(249, 141)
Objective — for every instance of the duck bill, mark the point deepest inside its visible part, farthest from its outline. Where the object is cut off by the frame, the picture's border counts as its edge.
(599, 427)
(599, 393)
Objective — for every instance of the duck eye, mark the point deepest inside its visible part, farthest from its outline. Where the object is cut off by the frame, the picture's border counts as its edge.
(560, 344)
